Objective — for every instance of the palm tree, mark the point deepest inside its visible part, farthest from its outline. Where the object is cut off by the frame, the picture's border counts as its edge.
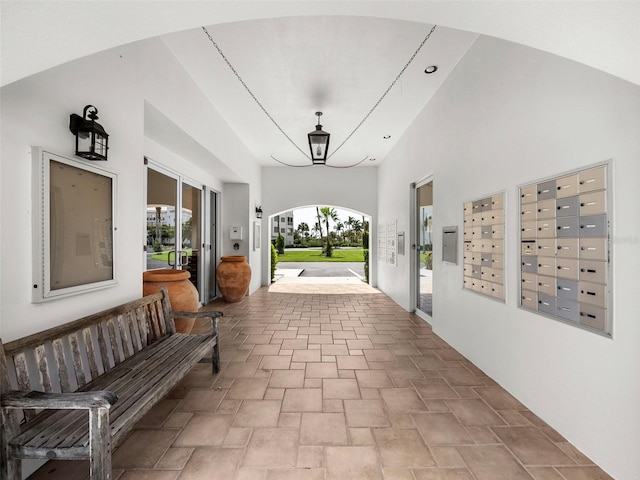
(357, 228)
(339, 227)
(329, 213)
(317, 229)
(303, 228)
(319, 224)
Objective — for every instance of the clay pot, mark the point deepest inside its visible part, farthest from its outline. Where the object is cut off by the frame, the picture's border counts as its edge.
(233, 276)
(182, 294)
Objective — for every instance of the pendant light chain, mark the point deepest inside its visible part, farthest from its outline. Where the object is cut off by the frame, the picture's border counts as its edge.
(251, 93)
(357, 126)
(386, 91)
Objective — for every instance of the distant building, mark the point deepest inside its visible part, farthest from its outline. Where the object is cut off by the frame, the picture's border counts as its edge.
(283, 224)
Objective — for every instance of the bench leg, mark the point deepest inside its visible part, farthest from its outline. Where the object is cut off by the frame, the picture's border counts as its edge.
(10, 469)
(100, 444)
(215, 358)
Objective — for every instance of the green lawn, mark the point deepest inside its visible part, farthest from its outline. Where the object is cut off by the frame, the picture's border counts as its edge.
(163, 255)
(309, 255)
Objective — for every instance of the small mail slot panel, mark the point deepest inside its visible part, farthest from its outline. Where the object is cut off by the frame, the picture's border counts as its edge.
(593, 271)
(567, 268)
(530, 264)
(567, 227)
(593, 248)
(547, 228)
(529, 281)
(593, 294)
(567, 248)
(546, 209)
(547, 304)
(593, 225)
(497, 231)
(497, 275)
(528, 194)
(528, 212)
(547, 285)
(497, 290)
(546, 190)
(546, 266)
(568, 309)
(567, 289)
(567, 207)
(546, 246)
(529, 230)
(593, 317)
(528, 248)
(593, 203)
(567, 186)
(593, 179)
(529, 299)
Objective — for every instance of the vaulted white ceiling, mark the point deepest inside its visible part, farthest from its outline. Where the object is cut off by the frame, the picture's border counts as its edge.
(338, 65)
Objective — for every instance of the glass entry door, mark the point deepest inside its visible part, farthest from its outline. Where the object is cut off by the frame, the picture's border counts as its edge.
(424, 247)
(174, 224)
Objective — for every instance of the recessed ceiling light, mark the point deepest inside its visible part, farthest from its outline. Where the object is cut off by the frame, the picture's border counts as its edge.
(431, 69)
(387, 137)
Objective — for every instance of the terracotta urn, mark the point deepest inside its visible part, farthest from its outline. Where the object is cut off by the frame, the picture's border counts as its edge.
(233, 276)
(182, 294)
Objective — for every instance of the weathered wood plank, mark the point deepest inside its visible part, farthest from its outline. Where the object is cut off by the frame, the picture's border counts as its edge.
(22, 372)
(169, 324)
(104, 351)
(61, 365)
(43, 368)
(154, 329)
(133, 333)
(78, 368)
(91, 354)
(115, 351)
(100, 444)
(143, 325)
(123, 328)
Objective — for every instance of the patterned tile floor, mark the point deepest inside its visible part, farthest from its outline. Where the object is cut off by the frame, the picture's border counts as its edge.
(337, 387)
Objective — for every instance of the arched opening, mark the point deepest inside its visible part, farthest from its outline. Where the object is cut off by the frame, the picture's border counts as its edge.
(320, 249)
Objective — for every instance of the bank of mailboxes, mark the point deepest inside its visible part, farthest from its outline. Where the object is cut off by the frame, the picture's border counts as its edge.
(564, 248)
(484, 246)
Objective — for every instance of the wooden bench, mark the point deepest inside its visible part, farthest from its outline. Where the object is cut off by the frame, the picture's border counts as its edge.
(76, 390)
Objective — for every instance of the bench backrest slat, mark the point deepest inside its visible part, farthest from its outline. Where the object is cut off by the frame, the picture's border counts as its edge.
(102, 344)
(77, 360)
(124, 341)
(61, 365)
(115, 351)
(133, 334)
(22, 373)
(43, 368)
(87, 335)
(143, 325)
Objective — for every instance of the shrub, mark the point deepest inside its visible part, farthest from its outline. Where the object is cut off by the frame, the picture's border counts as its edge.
(428, 260)
(366, 265)
(274, 261)
(280, 244)
(157, 246)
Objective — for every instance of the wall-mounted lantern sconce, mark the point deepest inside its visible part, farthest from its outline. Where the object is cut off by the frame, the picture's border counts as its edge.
(258, 211)
(318, 144)
(91, 139)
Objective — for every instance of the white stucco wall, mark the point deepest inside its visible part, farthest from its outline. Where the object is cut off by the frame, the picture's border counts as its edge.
(509, 115)
(35, 112)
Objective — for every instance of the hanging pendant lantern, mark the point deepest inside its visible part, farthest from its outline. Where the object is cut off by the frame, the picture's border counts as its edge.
(319, 144)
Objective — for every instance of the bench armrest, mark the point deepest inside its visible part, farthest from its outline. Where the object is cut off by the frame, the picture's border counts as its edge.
(59, 401)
